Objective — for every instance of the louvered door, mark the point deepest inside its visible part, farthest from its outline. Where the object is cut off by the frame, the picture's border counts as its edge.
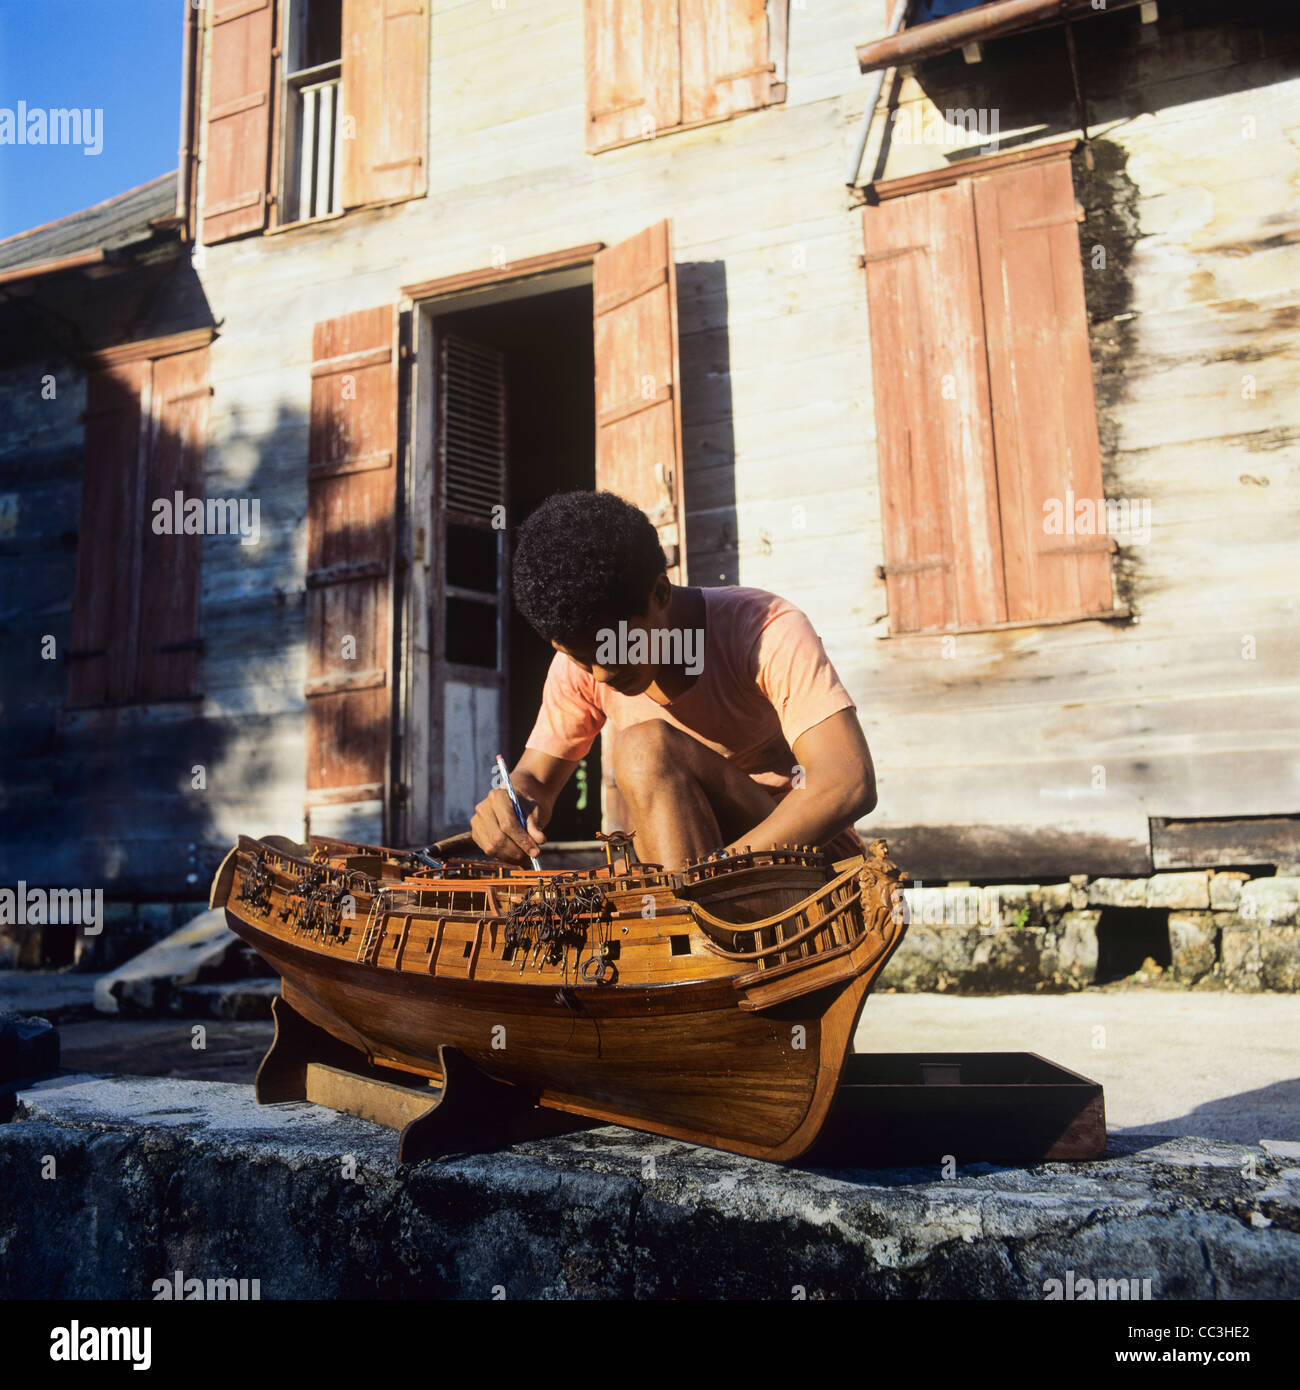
(471, 558)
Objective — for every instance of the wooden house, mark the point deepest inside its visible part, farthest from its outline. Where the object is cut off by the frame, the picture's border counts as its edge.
(969, 328)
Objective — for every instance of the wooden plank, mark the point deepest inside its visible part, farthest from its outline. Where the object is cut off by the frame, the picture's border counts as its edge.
(726, 66)
(350, 550)
(886, 189)
(633, 70)
(1040, 379)
(1220, 841)
(81, 260)
(943, 552)
(105, 585)
(988, 21)
(515, 270)
(639, 451)
(237, 146)
(382, 1102)
(385, 100)
(169, 564)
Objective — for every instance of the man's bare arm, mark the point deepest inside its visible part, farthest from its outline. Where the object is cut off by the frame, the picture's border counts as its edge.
(839, 787)
(539, 779)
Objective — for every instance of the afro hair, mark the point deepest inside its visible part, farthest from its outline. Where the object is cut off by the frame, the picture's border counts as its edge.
(583, 561)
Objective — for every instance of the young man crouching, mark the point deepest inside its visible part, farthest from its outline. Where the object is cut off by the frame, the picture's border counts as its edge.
(732, 727)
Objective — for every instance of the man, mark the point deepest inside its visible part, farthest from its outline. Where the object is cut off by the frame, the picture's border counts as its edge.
(733, 729)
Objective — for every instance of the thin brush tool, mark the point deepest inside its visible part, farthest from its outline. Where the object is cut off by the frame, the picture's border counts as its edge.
(519, 810)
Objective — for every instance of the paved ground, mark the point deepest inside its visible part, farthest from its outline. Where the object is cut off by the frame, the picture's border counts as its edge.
(166, 1047)
(1219, 1066)
(52, 994)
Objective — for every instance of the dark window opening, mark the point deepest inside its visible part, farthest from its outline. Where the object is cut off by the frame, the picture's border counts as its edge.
(1127, 937)
(681, 945)
(472, 632)
(472, 558)
(322, 33)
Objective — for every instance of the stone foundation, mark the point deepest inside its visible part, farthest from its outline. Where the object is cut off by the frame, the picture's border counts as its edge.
(1201, 929)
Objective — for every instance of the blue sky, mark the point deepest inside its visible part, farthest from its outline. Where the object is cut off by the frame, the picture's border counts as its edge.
(120, 56)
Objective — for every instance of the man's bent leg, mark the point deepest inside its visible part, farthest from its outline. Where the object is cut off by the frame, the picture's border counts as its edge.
(684, 799)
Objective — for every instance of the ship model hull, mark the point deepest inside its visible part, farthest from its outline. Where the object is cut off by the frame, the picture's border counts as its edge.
(670, 1003)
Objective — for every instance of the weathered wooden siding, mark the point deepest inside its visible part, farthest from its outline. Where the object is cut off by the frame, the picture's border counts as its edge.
(1190, 255)
(1068, 737)
(1085, 729)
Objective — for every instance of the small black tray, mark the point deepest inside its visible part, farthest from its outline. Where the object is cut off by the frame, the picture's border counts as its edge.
(920, 1108)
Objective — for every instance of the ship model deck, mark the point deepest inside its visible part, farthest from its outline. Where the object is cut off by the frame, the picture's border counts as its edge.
(715, 1005)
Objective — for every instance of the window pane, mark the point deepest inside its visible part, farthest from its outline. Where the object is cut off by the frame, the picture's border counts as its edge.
(472, 632)
(471, 558)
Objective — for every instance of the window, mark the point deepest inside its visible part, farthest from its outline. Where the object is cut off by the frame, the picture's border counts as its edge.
(312, 109)
(660, 65)
(341, 101)
(985, 416)
(472, 476)
(136, 605)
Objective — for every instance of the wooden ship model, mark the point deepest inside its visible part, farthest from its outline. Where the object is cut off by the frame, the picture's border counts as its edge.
(715, 1005)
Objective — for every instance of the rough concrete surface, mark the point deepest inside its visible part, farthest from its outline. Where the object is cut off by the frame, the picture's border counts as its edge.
(155, 1176)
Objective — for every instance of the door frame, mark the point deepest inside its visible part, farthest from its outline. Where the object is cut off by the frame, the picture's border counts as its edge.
(419, 724)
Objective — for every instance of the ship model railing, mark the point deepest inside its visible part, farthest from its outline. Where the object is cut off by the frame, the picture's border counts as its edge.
(817, 941)
(720, 863)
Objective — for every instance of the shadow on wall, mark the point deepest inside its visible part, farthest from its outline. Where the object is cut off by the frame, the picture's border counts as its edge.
(708, 436)
(1025, 83)
(134, 783)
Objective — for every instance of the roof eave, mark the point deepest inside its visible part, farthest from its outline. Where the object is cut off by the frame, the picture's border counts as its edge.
(974, 26)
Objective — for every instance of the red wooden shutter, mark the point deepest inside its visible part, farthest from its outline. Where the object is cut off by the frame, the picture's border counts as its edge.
(638, 410)
(239, 119)
(351, 506)
(103, 616)
(633, 70)
(167, 650)
(1040, 368)
(934, 440)
(638, 404)
(385, 100)
(726, 62)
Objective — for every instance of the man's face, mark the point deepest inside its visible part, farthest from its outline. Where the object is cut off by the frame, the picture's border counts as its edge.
(625, 677)
(608, 652)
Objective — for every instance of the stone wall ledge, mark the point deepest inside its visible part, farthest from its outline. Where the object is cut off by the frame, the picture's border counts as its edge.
(158, 1175)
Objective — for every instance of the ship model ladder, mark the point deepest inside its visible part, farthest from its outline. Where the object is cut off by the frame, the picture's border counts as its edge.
(373, 933)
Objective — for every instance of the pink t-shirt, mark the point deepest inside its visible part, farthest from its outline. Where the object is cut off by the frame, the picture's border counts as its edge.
(766, 680)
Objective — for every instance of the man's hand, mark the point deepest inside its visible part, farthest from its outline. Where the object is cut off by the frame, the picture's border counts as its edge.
(497, 832)
(538, 779)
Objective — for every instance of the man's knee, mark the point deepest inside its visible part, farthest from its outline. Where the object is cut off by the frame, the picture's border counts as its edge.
(649, 752)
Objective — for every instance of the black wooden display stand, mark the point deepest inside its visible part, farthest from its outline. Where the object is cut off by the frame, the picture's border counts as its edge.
(468, 1112)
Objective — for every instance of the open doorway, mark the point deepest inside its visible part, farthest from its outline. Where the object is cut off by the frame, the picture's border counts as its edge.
(513, 422)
